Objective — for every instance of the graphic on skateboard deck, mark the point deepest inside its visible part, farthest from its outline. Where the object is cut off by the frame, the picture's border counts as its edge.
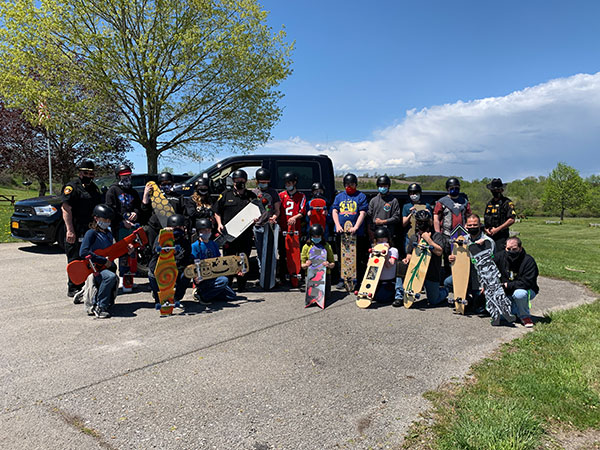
(268, 262)
(160, 205)
(240, 222)
(316, 277)
(166, 272)
(317, 212)
(348, 257)
(461, 268)
(496, 301)
(416, 272)
(292, 255)
(377, 257)
(79, 270)
(413, 223)
(206, 269)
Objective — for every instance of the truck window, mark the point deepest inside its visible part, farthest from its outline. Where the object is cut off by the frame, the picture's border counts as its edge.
(219, 178)
(308, 172)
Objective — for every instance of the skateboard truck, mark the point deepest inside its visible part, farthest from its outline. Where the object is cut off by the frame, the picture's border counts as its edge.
(166, 249)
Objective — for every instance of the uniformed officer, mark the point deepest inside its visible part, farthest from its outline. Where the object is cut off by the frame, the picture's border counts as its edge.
(226, 207)
(499, 214)
(79, 197)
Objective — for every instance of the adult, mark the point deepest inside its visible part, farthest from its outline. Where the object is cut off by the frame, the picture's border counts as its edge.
(271, 202)
(519, 274)
(199, 206)
(499, 214)
(79, 198)
(384, 209)
(293, 205)
(226, 207)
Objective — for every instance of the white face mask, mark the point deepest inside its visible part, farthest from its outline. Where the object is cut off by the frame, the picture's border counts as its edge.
(415, 197)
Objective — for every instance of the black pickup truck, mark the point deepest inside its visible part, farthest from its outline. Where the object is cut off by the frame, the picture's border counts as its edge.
(39, 220)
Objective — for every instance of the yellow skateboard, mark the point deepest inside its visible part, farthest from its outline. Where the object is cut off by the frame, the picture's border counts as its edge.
(373, 273)
(160, 205)
(415, 274)
(461, 268)
(206, 269)
(413, 223)
(166, 272)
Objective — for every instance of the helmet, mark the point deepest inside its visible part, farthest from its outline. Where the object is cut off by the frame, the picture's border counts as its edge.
(384, 180)
(87, 164)
(496, 183)
(290, 176)
(202, 182)
(316, 230)
(165, 176)
(203, 223)
(103, 211)
(317, 185)
(350, 179)
(414, 187)
(123, 169)
(452, 182)
(239, 174)
(263, 174)
(176, 220)
(382, 232)
(423, 215)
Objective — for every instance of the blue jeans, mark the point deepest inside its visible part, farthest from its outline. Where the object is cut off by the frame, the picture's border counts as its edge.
(435, 294)
(181, 285)
(448, 284)
(216, 289)
(384, 292)
(521, 302)
(106, 285)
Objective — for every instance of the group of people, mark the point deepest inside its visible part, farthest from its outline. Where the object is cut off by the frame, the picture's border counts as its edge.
(92, 225)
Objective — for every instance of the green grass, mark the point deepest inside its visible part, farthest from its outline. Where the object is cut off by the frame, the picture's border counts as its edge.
(6, 210)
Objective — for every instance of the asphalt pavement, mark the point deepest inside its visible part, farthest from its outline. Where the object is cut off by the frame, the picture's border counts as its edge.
(258, 373)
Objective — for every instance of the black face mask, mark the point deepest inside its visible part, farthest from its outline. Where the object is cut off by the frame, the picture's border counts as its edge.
(422, 226)
(86, 180)
(496, 194)
(513, 255)
(473, 231)
(240, 185)
(178, 234)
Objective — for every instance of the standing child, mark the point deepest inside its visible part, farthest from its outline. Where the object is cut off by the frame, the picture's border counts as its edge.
(293, 209)
(387, 281)
(316, 234)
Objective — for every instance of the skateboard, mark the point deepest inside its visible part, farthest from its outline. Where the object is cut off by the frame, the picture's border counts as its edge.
(461, 268)
(348, 257)
(317, 212)
(292, 255)
(239, 223)
(496, 301)
(413, 223)
(166, 272)
(206, 269)
(160, 205)
(79, 270)
(268, 263)
(316, 276)
(370, 281)
(415, 273)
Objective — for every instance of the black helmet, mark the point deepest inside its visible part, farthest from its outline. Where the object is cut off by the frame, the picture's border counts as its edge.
(202, 182)
(165, 176)
(316, 230)
(290, 176)
(382, 232)
(317, 185)
(176, 220)
(203, 223)
(87, 164)
(450, 182)
(263, 174)
(414, 187)
(384, 180)
(103, 211)
(239, 174)
(350, 179)
(423, 215)
(123, 169)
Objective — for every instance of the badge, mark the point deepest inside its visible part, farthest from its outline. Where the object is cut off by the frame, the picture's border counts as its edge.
(67, 190)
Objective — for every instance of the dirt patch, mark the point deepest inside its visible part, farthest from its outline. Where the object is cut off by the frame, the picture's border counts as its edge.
(575, 440)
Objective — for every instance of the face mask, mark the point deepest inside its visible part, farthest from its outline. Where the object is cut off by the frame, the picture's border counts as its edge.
(203, 192)
(178, 233)
(496, 194)
(316, 240)
(415, 197)
(454, 191)
(102, 224)
(240, 185)
(512, 255)
(290, 188)
(422, 226)
(317, 194)
(263, 186)
(125, 182)
(205, 236)
(86, 180)
(166, 187)
(473, 231)
(383, 190)
(350, 190)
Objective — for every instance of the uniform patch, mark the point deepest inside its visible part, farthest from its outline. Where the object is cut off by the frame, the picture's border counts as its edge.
(67, 190)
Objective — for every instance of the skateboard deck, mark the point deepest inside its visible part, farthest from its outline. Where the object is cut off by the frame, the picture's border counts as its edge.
(206, 269)
(268, 263)
(496, 301)
(317, 212)
(348, 257)
(292, 255)
(413, 223)
(166, 272)
(461, 268)
(79, 270)
(316, 276)
(239, 223)
(160, 205)
(416, 272)
(370, 281)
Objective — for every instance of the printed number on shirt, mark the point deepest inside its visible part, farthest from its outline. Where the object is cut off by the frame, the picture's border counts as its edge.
(289, 209)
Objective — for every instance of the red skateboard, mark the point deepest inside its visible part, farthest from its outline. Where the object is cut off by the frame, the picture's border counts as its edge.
(292, 255)
(317, 212)
(79, 270)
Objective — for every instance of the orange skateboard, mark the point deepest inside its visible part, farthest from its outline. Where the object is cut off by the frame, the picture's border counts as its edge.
(292, 255)
(166, 272)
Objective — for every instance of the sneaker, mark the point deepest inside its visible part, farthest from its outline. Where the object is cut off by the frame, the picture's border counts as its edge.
(78, 297)
(495, 322)
(200, 299)
(126, 290)
(398, 302)
(527, 322)
(101, 313)
(340, 285)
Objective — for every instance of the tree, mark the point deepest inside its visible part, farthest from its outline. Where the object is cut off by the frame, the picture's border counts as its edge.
(180, 72)
(564, 189)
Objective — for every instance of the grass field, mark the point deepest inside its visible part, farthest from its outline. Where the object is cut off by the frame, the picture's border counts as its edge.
(6, 210)
(545, 383)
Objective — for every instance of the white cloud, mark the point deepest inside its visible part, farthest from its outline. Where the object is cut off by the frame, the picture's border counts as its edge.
(524, 133)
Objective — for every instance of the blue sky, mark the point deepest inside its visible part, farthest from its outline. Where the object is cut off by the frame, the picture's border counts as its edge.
(468, 88)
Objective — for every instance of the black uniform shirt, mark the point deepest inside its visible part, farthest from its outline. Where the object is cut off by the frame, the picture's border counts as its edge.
(498, 211)
(230, 203)
(82, 200)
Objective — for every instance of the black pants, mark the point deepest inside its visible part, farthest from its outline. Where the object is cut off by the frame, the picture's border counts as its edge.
(243, 244)
(72, 252)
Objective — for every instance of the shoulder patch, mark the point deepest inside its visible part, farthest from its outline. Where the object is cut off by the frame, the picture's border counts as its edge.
(67, 190)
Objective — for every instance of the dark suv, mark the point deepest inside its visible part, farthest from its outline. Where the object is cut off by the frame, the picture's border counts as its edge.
(39, 220)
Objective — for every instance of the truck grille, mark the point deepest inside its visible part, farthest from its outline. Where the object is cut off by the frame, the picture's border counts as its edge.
(24, 210)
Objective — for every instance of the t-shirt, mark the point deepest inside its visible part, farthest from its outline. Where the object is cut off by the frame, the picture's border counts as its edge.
(452, 212)
(349, 208)
(435, 263)
(205, 250)
(269, 198)
(384, 207)
(389, 273)
(291, 206)
(230, 203)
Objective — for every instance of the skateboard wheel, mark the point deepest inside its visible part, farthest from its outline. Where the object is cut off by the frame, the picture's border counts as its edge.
(417, 296)
(177, 304)
(158, 248)
(370, 294)
(157, 306)
(370, 250)
(355, 292)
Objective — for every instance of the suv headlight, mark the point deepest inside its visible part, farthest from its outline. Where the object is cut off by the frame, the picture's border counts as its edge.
(44, 210)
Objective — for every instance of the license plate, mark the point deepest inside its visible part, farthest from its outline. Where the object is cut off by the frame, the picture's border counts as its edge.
(15, 225)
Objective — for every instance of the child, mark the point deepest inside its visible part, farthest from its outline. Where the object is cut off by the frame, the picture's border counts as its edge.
(316, 234)
(203, 248)
(387, 281)
(106, 282)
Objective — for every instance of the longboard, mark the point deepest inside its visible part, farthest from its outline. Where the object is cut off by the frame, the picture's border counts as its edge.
(166, 272)
(292, 255)
(79, 270)
(413, 223)
(160, 205)
(377, 257)
(316, 277)
(416, 272)
(317, 212)
(348, 257)
(239, 223)
(461, 268)
(206, 269)
(268, 263)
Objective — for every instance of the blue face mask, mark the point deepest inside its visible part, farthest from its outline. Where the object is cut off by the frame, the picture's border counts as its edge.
(383, 190)
(454, 191)
(316, 240)
(263, 186)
